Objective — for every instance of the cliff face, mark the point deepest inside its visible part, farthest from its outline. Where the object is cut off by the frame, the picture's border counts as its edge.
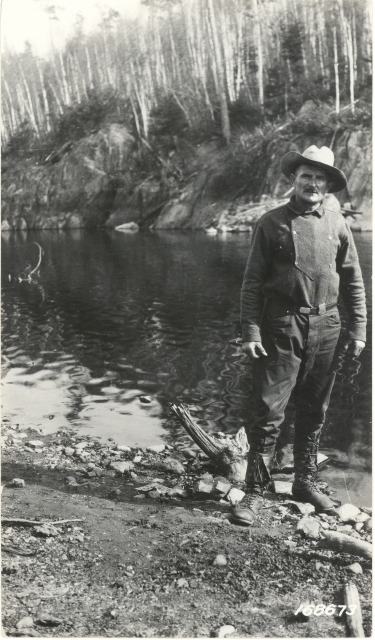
(81, 188)
(78, 190)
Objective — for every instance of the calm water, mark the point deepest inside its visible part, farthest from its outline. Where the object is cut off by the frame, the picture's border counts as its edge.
(114, 316)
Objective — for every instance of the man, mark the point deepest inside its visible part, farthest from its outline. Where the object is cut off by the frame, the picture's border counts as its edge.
(302, 255)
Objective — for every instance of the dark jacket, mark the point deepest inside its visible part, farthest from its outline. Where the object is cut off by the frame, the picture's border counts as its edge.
(302, 259)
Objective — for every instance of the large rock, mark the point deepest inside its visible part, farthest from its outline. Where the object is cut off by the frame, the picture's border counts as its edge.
(77, 191)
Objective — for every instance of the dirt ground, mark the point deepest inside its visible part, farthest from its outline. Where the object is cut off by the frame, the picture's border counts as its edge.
(140, 564)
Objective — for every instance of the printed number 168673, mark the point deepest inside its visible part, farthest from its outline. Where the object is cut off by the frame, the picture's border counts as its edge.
(327, 610)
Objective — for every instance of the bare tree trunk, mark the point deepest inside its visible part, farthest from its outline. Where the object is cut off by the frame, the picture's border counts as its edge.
(354, 30)
(260, 55)
(44, 96)
(57, 99)
(351, 65)
(13, 115)
(64, 80)
(30, 106)
(225, 124)
(336, 65)
(89, 68)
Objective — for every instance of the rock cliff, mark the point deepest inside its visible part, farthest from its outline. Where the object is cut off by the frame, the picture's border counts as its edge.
(88, 184)
(77, 190)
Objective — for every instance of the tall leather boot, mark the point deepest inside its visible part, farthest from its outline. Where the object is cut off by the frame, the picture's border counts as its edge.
(304, 487)
(259, 469)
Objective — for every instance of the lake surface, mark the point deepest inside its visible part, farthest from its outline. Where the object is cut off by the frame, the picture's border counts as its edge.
(114, 316)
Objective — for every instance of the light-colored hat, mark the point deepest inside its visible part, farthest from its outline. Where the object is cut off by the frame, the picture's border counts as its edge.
(323, 158)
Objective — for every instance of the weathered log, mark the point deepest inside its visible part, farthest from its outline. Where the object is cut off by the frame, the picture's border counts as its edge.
(346, 544)
(33, 523)
(230, 454)
(353, 611)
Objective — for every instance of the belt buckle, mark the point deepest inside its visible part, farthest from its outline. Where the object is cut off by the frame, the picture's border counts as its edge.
(306, 310)
(322, 309)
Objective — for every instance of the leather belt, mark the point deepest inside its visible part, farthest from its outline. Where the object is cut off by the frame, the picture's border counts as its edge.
(316, 311)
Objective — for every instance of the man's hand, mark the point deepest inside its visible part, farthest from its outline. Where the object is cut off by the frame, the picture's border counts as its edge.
(254, 349)
(353, 347)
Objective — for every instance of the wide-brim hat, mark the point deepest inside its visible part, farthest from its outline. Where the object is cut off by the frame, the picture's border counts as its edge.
(323, 158)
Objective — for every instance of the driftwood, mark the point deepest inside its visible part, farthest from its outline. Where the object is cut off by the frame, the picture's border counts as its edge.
(229, 453)
(353, 620)
(33, 523)
(346, 544)
(15, 551)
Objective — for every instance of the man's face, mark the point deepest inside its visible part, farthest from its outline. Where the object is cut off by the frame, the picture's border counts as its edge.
(310, 184)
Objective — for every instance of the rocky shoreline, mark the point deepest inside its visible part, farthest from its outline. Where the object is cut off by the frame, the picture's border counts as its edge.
(156, 552)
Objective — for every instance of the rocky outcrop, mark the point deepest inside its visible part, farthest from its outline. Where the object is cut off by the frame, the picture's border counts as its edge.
(78, 190)
(85, 184)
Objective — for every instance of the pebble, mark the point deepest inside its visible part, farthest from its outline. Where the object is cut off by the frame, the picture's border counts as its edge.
(367, 510)
(122, 466)
(291, 544)
(137, 459)
(182, 582)
(46, 530)
(189, 453)
(345, 528)
(368, 525)
(281, 487)
(222, 486)
(303, 507)
(35, 443)
(145, 399)
(354, 568)
(224, 631)
(69, 451)
(204, 487)
(178, 492)
(26, 632)
(48, 620)
(361, 517)
(25, 623)
(220, 560)
(235, 495)
(309, 526)
(172, 465)
(347, 512)
(17, 483)
(123, 447)
(80, 446)
(156, 448)
(358, 526)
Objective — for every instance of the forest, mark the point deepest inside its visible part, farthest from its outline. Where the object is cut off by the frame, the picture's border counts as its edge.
(193, 68)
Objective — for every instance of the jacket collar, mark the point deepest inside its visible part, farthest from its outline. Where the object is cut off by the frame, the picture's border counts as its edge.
(293, 206)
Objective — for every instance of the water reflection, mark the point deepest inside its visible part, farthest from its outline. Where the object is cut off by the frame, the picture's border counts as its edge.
(114, 316)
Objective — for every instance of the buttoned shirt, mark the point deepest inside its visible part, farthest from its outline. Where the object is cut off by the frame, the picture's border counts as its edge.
(299, 259)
